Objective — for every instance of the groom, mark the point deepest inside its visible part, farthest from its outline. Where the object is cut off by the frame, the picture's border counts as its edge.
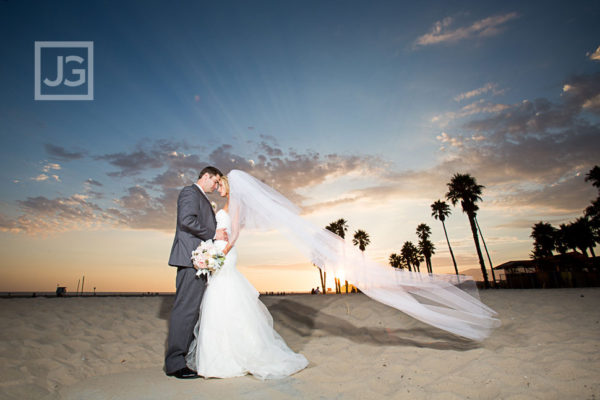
(195, 223)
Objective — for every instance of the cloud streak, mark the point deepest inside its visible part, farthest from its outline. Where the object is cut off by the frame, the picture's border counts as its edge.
(441, 31)
(595, 56)
(60, 153)
(488, 87)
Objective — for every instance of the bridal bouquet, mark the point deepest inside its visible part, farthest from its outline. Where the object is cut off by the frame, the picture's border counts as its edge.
(207, 258)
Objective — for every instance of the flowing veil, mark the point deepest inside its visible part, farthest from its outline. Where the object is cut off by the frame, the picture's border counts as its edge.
(448, 302)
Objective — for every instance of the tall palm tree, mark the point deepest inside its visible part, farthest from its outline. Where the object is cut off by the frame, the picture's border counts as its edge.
(486, 252)
(441, 210)
(544, 239)
(361, 239)
(425, 246)
(463, 188)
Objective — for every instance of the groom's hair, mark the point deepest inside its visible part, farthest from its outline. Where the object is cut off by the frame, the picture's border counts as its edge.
(211, 171)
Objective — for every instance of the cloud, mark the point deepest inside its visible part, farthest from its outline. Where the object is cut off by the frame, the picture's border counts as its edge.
(139, 210)
(93, 182)
(44, 177)
(288, 171)
(478, 92)
(441, 32)
(595, 56)
(131, 163)
(534, 153)
(60, 153)
(151, 204)
(531, 154)
(479, 107)
(40, 178)
(41, 215)
(452, 141)
(149, 156)
(171, 178)
(50, 166)
(540, 116)
(569, 195)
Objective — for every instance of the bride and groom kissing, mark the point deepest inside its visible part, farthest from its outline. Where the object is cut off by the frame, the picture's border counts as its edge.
(219, 329)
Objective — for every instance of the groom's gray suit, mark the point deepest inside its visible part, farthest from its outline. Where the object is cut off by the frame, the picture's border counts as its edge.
(195, 223)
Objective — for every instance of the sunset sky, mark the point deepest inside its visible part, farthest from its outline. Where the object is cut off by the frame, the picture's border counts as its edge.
(355, 109)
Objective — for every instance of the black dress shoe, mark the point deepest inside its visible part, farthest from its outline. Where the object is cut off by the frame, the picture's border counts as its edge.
(184, 373)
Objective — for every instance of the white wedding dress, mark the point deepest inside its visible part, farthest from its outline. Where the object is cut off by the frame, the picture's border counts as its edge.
(234, 335)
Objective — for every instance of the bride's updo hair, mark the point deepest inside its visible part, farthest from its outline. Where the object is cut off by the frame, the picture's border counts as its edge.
(225, 183)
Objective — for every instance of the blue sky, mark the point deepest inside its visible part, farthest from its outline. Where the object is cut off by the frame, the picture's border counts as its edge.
(355, 109)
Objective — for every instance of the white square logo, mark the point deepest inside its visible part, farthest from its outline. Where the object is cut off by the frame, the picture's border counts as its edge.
(64, 71)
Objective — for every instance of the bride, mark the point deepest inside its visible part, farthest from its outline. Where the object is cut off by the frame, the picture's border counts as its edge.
(234, 334)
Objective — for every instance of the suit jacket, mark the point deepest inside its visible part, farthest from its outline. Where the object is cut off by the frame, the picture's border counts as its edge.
(195, 223)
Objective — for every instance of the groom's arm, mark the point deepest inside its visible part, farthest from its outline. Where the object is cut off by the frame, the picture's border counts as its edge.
(190, 215)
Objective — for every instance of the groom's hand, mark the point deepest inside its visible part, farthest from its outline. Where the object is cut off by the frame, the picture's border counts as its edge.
(221, 234)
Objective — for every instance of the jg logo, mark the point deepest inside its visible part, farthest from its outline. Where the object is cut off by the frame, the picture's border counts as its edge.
(64, 71)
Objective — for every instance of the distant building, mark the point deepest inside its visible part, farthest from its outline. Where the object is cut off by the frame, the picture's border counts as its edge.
(568, 270)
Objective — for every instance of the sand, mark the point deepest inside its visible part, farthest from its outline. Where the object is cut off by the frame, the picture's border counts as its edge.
(548, 347)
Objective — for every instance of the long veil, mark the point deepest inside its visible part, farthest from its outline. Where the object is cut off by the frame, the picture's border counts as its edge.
(448, 302)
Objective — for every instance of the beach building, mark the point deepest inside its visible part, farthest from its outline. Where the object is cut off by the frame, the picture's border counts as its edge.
(563, 270)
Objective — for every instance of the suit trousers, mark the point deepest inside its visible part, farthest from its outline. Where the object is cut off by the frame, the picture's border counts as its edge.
(184, 315)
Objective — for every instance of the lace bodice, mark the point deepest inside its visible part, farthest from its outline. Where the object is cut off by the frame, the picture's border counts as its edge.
(223, 220)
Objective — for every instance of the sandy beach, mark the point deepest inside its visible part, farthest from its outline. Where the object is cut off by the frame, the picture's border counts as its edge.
(548, 347)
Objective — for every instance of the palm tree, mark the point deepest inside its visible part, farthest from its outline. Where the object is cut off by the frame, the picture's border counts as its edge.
(411, 256)
(427, 249)
(576, 235)
(486, 252)
(339, 227)
(417, 260)
(561, 239)
(425, 246)
(594, 176)
(441, 210)
(583, 235)
(544, 239)
(396, 261)
(463, 188)
(593, 211)
(406, 254)
(361, 239)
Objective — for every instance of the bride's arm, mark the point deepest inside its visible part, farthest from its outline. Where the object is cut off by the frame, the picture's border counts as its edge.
(228, 247)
